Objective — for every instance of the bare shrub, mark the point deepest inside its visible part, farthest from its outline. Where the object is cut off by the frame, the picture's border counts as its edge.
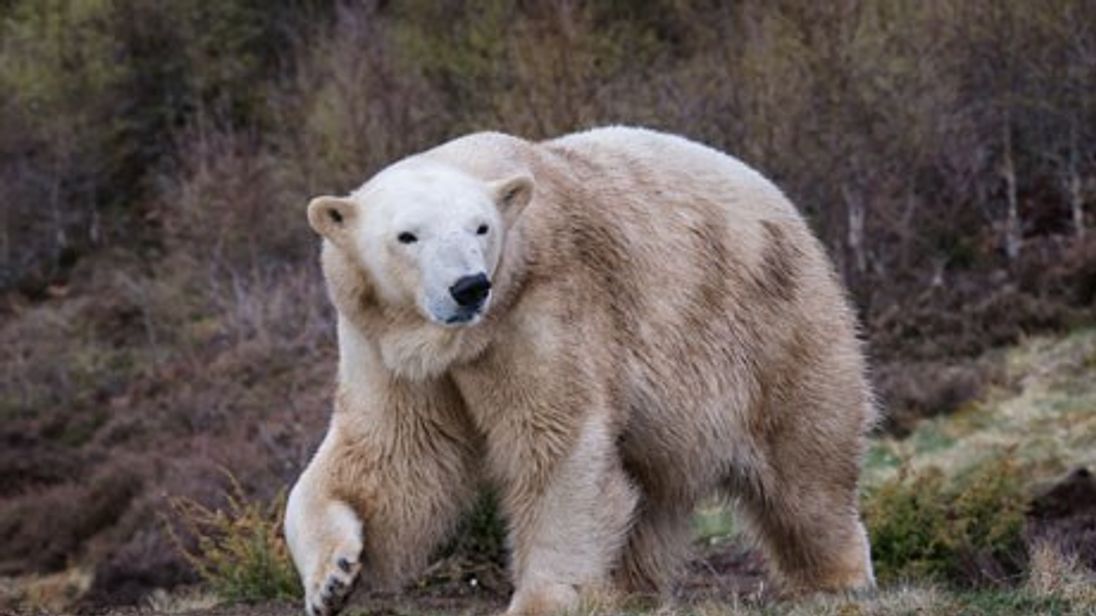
(1055, 573)
(342, 119)
(1061, 518)
(228, 204)
(47, 528)
(913, 390)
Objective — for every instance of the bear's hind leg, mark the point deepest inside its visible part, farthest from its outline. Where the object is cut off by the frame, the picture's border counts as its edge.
(657, 546)
(824, 553)
(804, 512)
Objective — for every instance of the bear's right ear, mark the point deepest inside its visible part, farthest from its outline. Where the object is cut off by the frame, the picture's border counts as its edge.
(331, 216)
(513, 194)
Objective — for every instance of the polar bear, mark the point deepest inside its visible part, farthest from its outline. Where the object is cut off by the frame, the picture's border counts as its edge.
(606, 327)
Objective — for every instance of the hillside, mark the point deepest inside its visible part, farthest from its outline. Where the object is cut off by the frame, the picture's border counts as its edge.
(167, 350)
(1039, 414)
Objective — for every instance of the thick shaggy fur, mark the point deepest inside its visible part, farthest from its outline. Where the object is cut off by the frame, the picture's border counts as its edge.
(663, 327)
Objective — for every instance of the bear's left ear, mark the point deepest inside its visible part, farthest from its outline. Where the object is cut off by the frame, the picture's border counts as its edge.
(512, 194)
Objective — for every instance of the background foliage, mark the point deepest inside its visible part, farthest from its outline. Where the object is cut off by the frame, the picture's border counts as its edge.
(161, 314)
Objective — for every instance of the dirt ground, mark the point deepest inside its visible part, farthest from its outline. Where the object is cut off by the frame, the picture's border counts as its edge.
(727, 571)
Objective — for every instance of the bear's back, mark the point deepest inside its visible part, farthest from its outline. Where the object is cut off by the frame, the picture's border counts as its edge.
(645, 209)
(664, 161)
(678, 209)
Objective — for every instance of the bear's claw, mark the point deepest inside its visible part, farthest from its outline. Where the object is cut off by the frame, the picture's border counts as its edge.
(331, 594)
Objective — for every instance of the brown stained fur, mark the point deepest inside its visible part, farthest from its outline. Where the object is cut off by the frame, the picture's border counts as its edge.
(780, 264)
(664, 328)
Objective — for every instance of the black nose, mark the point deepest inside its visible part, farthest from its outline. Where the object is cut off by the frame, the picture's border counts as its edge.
(470, 290)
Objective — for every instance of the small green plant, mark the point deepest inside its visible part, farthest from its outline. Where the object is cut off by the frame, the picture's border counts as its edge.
(240, 550)
(481, 533)
(475, 555)
(966, 529)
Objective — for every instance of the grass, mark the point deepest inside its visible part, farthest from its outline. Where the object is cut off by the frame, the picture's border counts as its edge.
(1045, 408)
(713, 524)
(923, 600)
(897, 600)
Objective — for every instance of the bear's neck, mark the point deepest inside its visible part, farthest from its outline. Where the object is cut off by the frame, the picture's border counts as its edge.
(405, 345)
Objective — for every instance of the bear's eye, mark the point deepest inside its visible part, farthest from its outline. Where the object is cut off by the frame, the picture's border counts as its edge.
(407, 238)
(482, 230)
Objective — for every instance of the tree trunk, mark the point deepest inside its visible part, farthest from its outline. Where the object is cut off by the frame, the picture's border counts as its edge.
(855, 206)
(1013, 235)
(1076, 198)
(1077, 204)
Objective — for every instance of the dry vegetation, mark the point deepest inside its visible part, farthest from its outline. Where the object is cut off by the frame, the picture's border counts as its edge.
(240, 553)
(161, 316)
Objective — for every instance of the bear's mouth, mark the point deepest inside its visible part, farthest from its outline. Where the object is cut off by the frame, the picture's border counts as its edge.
(453, 315)
(464, 316)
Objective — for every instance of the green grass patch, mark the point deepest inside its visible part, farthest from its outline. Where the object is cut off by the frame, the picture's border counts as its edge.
(881, 457)
(1020, 601)
(713, 524)
(933, 437)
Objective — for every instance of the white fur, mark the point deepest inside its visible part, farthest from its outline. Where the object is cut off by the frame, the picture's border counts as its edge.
(319, 531)
(443, 209)
(663, 327)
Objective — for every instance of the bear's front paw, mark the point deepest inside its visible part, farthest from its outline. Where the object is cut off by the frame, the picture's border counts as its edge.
(333, 585)
(543, 599)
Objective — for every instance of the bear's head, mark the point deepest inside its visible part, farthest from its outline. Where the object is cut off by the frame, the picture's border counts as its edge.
(425, 235)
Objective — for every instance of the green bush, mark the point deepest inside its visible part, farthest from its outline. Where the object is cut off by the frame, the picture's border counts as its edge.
(240, 550)
(965, 529)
